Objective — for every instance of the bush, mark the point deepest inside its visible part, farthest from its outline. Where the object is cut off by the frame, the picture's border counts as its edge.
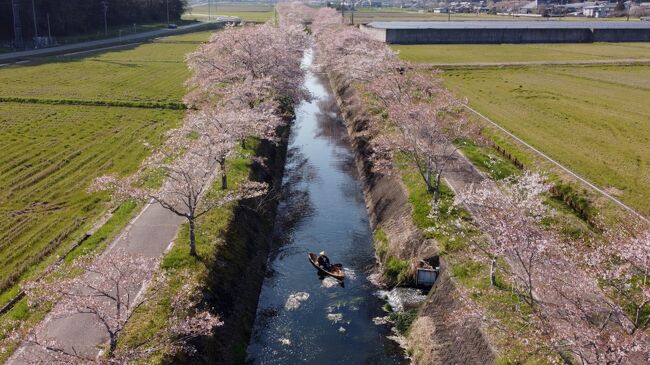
(404, 320)
(396, 269)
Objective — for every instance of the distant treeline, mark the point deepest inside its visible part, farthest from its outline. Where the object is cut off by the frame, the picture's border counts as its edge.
(72, 17)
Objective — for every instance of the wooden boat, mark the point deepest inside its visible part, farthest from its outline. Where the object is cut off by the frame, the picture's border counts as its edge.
(336, 270)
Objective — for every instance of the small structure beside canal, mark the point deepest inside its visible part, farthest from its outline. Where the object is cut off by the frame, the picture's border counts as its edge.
(495, 32)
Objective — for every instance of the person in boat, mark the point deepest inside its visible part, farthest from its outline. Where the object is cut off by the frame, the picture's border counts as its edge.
(324, 261)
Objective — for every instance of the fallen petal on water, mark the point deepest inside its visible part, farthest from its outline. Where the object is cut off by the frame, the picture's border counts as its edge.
(294, 300)
(335, 317)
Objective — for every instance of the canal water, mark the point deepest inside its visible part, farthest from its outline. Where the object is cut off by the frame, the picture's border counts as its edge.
(301, 317)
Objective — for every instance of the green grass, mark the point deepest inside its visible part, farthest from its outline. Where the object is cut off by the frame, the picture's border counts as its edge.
(488, 160)
(153, 319)
(52, 152)
(50, 156)
(590, 119)
(508, 53)
(28, 315)
(250, 13)
(122, 30)
(453, 234)
(404, 320)
(381, 243)
(152, 72)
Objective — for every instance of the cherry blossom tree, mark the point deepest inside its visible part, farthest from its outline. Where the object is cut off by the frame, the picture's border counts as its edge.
(187, 181)
(581, 323)
(511, 218)
(428, 120)
(111, 291)
(622, 263)
(295, 13)
(348, 52)
(264, 59)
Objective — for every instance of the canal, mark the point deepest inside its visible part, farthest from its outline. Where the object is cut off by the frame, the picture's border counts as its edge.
(301, 317)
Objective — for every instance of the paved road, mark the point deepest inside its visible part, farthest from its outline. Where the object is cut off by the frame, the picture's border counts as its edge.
(132, 38)
(149, 235)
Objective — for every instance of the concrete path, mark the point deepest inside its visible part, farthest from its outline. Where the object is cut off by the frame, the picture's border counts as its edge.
(149, 235)
(132, 38)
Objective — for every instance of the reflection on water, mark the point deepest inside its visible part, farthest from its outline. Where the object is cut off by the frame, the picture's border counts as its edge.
(302, 317)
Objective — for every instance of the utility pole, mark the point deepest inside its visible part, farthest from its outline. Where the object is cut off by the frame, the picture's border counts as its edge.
(105, 8)
(49, 30)
(34, 15)
(18, 28)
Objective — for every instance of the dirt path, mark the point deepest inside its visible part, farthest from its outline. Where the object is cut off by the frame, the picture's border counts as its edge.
(148, 235)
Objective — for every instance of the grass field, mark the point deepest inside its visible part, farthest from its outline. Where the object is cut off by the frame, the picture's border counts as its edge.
(149, 72)
(508, 53)
(251, 13)
(591, 119)
(50, 153)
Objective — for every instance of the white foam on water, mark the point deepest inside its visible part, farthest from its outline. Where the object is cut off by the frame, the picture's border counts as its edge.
(329, 282)
(349, 274)
(295, 299)
(380, 321)
(285, 341)
(335, 317)
(341, 329)
(402, 298)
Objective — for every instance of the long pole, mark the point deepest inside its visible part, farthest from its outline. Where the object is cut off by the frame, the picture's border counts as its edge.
(34, 15)
(18, 29)
(49, 30)
(105, 6)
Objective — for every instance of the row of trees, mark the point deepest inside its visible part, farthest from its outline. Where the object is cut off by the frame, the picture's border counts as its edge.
(588, 299)
(244, 81)
(73, 17)
(422, 119)
(584, 300)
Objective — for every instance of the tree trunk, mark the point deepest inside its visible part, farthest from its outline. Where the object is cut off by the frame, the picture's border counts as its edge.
(436, 194)
(192, 238)
(112, 345)
(224, 176)
(493, 271)
(428, 180)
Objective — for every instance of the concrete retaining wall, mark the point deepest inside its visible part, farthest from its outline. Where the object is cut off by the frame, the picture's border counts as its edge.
(507, 35)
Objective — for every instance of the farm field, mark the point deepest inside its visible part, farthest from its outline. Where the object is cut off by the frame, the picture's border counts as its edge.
(148, 72)
(508, 53)
(251, 13)
(591, 119)
(52, 152)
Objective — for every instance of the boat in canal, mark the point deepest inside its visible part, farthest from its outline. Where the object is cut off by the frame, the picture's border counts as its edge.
(336, 270)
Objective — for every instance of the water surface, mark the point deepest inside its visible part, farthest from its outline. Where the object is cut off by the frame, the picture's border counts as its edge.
(302, 317)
